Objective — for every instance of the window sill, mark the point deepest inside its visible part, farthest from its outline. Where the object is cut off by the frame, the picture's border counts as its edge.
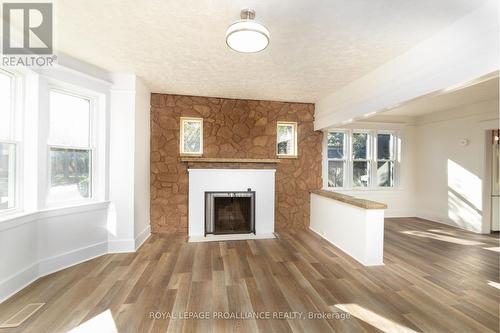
(288, 156)
(15, 220)
(191, 155)
(364, 189)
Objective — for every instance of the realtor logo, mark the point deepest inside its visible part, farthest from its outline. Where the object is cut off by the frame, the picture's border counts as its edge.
(27, 28)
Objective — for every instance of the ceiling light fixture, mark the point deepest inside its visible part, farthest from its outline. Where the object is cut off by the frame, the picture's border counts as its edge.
(247, 35)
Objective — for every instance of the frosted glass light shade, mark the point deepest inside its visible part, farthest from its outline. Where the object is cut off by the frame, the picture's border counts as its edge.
(247, 36)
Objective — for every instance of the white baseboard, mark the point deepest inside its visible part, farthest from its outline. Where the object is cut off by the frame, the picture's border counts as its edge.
(19, 281)
(129, 244)
(142, 237)
(446, 221)
(398, 215)
(121, 245)
(62, 261)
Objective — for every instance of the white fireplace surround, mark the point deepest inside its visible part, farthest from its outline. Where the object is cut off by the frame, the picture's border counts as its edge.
(210, 180)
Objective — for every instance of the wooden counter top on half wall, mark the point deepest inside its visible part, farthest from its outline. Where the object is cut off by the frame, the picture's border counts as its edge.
(362, 203)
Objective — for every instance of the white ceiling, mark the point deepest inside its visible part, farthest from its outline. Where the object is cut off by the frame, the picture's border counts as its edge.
(447, 100)
(316, 47)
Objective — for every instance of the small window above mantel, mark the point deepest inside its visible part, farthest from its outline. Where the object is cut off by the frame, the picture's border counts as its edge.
(286, 139)
(191, 136)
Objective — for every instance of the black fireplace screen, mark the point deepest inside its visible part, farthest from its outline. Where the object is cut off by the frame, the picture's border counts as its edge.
(229, 212)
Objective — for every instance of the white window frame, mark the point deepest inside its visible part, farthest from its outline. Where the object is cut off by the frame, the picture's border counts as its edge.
(295, 152)
(372, 160)
(92, 145)
(15, 137)
(395, 155)
(183, 120)
(344, 160)
(368, 159)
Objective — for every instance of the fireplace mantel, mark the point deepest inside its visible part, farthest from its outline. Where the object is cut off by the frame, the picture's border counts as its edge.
(191, 159)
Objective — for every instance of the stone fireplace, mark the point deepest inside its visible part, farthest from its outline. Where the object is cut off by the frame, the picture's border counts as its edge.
(226, 204)
(232, 129)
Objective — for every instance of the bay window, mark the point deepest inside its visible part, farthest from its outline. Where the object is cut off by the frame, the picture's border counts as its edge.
(8, 143)
(52, 142)
(361, 159)
(70, 147)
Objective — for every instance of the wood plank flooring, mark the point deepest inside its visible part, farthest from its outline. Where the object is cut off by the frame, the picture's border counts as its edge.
(435, 279)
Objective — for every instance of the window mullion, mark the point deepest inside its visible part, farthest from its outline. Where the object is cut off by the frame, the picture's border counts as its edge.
(373, 160)
(350, 165)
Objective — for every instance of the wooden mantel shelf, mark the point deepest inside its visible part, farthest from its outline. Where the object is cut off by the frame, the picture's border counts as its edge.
(229, 160)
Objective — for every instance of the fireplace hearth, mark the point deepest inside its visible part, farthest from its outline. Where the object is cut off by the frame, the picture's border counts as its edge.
(229, 212)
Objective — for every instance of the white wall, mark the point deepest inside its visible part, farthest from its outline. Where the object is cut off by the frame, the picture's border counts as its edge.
(128, 222)
(450, 176)
(357, 231)
(141, 162)
(400, 201)
(121, 178)
(40, 243)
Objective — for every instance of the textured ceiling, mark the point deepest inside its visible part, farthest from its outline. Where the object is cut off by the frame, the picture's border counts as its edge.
(316, 47)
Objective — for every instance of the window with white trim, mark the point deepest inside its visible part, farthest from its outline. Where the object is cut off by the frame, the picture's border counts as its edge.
(286, 139)
(70, 147)
(361, 159)
(386, 159)
(191, 136)
(336, 158)
(8, 144)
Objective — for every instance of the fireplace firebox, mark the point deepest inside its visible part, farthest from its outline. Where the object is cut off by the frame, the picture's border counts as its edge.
(229, 212)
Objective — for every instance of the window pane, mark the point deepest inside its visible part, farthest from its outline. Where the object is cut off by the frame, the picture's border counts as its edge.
(285, 139)
(5, 105)
(385, 144)
(192, 136)
(7, 175)
(336, 145)
(359, 145)
(385, 174)
(335, 173)
(70, 177)
(69, 120)
(360, 174)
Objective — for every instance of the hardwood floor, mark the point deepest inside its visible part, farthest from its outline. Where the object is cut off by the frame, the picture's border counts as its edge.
(435, 279)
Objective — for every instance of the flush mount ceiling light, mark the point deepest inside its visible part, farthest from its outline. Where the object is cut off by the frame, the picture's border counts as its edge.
(247, 35)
